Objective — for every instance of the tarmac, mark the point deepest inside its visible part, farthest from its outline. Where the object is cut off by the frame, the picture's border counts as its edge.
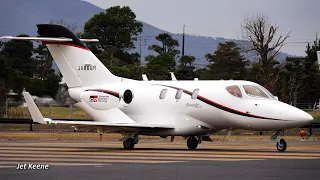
(159, 160)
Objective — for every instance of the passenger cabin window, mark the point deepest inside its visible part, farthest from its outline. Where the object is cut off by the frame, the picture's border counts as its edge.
(254, 91)
(234, 90)
(179, 94)
(195, 94)
(163, 93)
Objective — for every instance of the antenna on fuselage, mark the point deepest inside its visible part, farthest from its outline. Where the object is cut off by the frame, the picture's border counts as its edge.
(173, 77)
(144, 77)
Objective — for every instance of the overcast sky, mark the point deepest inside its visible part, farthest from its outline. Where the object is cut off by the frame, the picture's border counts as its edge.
(222, 18)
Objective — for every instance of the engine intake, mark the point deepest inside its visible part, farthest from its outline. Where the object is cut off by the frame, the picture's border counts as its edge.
(127, 96)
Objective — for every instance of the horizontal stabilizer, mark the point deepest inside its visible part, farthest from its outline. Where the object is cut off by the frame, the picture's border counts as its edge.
(50, 39)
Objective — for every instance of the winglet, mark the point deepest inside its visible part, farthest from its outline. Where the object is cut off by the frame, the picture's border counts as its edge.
(173, 77)
(33, 109)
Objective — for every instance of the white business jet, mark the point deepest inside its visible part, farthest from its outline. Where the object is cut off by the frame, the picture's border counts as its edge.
(191, 109)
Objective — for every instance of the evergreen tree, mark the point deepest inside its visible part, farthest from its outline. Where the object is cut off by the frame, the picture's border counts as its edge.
(310, 74)
(227, 62)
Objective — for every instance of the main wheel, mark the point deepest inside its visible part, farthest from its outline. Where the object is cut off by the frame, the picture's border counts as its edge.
(192, 142)
(281, 145)
(128, 143)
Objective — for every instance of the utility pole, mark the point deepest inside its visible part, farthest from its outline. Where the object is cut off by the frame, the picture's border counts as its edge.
(183, 41)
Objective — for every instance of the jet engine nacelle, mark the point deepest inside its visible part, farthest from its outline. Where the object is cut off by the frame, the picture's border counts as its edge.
(103, 99)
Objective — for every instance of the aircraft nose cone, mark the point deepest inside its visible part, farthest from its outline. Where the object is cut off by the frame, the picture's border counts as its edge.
(308, 118)
(304, 117)
(298, 118)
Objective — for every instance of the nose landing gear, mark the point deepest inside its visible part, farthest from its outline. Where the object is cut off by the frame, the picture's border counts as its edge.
(281, 143)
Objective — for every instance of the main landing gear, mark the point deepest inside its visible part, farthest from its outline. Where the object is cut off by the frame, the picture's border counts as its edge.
(130, 142)
(281, 143)
(192, 142)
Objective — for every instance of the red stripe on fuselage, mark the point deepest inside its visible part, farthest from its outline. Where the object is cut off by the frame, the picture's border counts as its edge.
(105, 91)
(220, 106)
(66, 44)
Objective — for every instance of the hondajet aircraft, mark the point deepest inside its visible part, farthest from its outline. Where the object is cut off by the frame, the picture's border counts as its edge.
(192, 109)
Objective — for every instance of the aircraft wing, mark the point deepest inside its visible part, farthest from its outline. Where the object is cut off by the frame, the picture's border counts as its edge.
(113, 127)
(121, 125)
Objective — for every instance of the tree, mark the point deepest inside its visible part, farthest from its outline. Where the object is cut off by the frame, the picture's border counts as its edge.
(290, 81)
(158, 67)
(263, 39)
(227, 62)
(43, 61)
(19, 54)
(1, 46)
(185, 60)
(185, 70)
(168, 45)
(5, 77)
(116, 29)
(131, 71)
(51, 84)
(311, 74)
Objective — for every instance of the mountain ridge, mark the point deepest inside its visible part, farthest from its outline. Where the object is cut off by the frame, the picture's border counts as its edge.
(21, 17)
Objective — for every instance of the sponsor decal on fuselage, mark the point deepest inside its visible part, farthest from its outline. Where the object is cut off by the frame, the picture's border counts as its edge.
(87, 67)
(98, 98)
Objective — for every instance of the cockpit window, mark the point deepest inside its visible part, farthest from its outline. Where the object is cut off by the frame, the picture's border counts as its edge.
(254, 91)
(234, 90)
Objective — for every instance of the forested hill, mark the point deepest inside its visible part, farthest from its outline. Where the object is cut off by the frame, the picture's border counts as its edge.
(21, 17)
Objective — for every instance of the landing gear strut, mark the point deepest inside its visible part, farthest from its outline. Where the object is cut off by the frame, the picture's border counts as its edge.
(281, 143)
(192, 142)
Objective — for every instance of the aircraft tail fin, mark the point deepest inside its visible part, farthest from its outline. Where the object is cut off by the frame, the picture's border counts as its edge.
(78, 65)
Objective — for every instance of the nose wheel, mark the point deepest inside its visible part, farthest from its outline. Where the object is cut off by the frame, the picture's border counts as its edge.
(192, 142)
(281, 145)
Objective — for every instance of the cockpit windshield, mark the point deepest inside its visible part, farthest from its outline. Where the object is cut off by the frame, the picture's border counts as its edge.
(254, 91)
(234, 90)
